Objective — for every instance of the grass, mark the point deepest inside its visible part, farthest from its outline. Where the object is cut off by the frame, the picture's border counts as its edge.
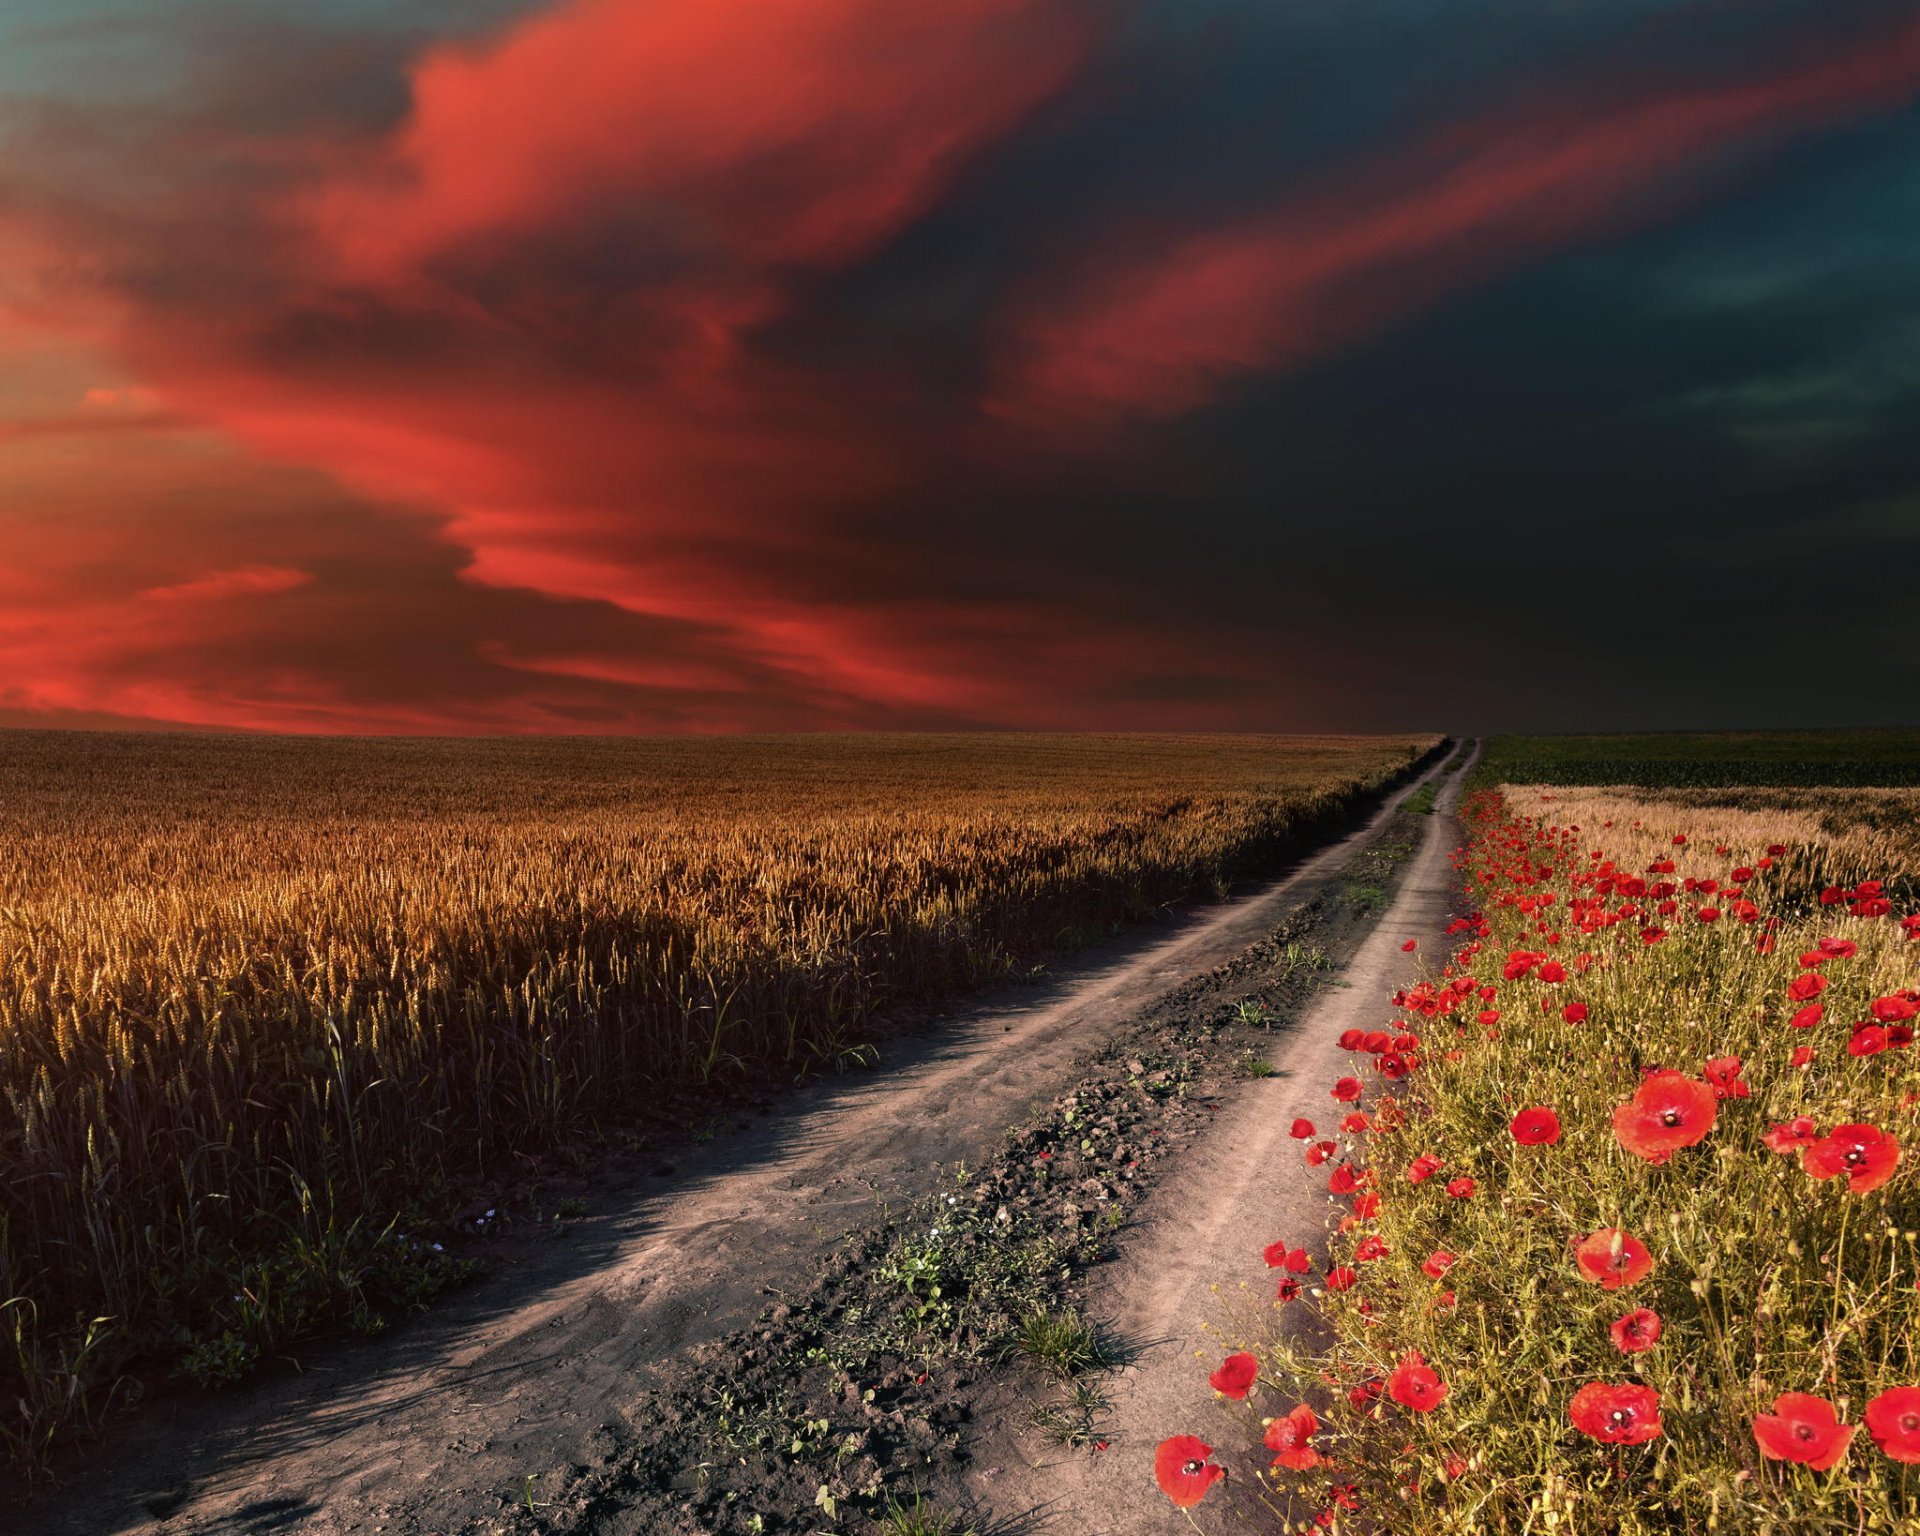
(1766, 1279)
(1804, 759)
(267, 1006)
(1062, 1343)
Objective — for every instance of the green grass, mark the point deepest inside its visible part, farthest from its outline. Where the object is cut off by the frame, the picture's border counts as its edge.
(1680, 759)
(1063, 1343)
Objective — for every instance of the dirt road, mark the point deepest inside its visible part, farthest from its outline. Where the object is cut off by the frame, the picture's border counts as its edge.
(419, 1432)
(1199, 1241)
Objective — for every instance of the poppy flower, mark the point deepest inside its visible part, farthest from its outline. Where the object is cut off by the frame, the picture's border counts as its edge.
(1791, 1136)
(1623, 1414)
(1438, 1262)
(1287, 1290)
(1802, 1428)
(1341, 1278)
(1344, 1180)
(1893, 1419)
(1461, 1189)
(1319, 1152)
(1802, 1054)
(1637, 1331)
(1537, 1127)
(1371, 1247)
(1424, 1167)
(1291, 1435)
(1613, 1259)
(1294, 1260)
(1347, 1089)
(1668, 1111)
(1866, 1040)
(1723, 1075)
(1865, 1154)
(1410, 946)
(1415, 1385)
(1354, 1123)
(1805, 988)
(1236, 1376)
(1181, 1468)
(1302, 1130)
(1350, 1039)
(1808, 1016)
(1574, 1013)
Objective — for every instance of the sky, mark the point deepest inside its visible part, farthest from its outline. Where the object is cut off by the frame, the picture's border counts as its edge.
(524, 366)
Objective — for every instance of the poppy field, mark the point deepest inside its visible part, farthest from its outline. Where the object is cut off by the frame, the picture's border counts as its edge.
(1623, 1215)
(274, 1012)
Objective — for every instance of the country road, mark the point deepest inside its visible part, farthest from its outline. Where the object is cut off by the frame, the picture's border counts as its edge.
(414, 1433)
(1200, 1240)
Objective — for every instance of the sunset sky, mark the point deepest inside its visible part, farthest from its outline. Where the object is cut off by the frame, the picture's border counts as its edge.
(663, 365)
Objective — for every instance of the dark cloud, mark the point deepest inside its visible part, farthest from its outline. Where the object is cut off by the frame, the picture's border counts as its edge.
(578, 366)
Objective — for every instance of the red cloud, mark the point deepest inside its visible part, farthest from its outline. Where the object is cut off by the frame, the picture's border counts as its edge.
(1162, 332)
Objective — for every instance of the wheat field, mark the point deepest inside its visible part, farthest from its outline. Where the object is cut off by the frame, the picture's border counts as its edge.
(266, 1004)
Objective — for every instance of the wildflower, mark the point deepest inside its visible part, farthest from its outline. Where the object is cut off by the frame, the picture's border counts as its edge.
(1302, 1130)
(1438, 1263)
(1415, 1385)
(1291, 1435)
(1802, 1054)
(1865, 1154)
(1723, 1074)
(1802, 1428)
(1461, 1189)
(1236, 1376)
(1637, 1331)
(1668, 1111)
(1341, 1278)
(1893, 1419)
(1536, 1127)
(1287, 1290)
(1410, 946)
(1792, 1135)
(1808, 1016)
(1370, 1247)
(1347, 1089)
(1181, 1468)
(1424, 1167)
(1622, 1414)
(1804, 989)
(1296, 1261)
(1612, 1258)
(1867, 1040)
(1574, 1013)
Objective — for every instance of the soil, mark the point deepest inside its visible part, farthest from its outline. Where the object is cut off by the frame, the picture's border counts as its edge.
(810, 1313)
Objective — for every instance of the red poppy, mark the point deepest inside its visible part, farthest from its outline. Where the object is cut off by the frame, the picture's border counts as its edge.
(1414, 1384)
(1236, 1376)
(1410, 946)
(1668, 1111)
(1574, 1013)
(1802, 1428)
(1438, 1262)
(1424, 1167)
(1287, 1290)
(1347, 1089)
(1796, 1133)
(1181, 1468)
(1319, 1152)
(1461, 1189)
(1865, 1154)
(1802, 1054)
(1552, 972)
(1867, 1040)
(1340, 1278)
(1623, 1414)
(1808, 1016)
(1637, 1331)
(1893, 1419)
(1537, 1127)
(1302, 1130)
(1723, 1075)
(1352, 1124)
(1613, 1258)
(1350, 1039)
(1804, 989)
(1292, 1436)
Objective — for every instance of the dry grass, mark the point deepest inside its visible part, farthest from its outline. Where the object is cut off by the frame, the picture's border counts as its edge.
(263, 1002)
